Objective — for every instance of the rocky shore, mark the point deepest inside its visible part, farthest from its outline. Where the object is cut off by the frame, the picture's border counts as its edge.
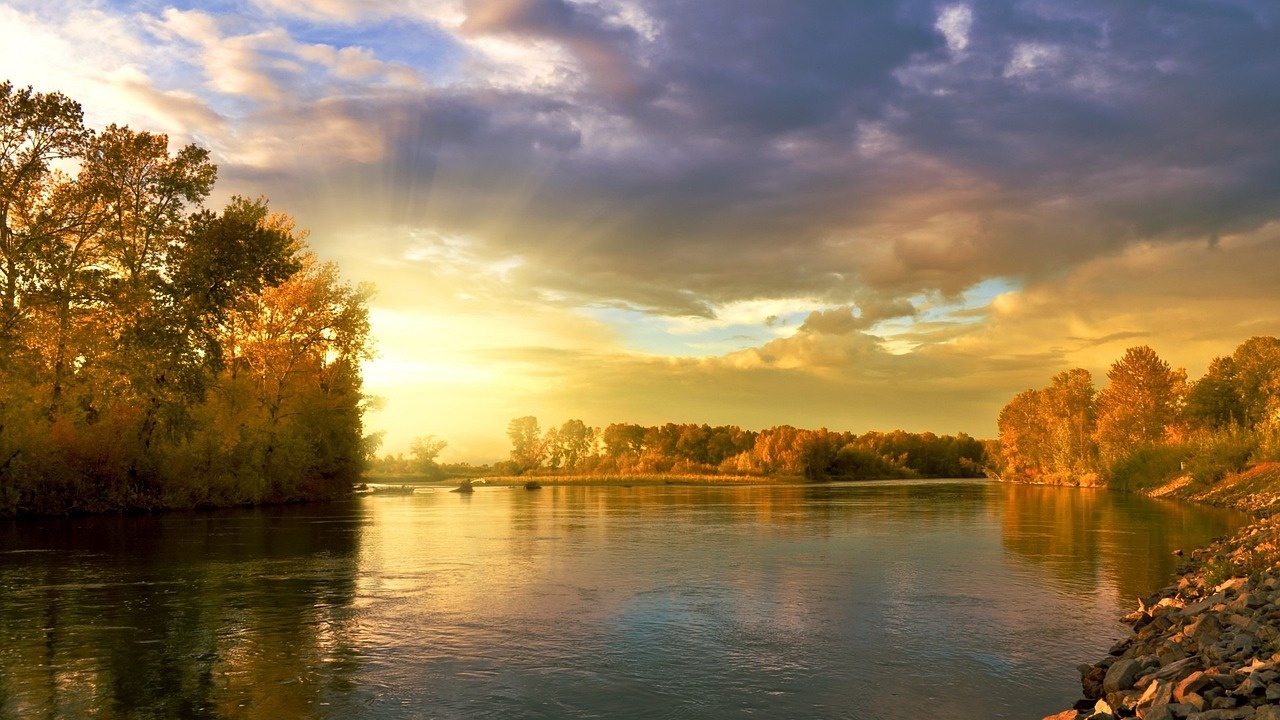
(1204, 648)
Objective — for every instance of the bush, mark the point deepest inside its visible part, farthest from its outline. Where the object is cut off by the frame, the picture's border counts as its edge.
(1148, 466)
(1220, 453)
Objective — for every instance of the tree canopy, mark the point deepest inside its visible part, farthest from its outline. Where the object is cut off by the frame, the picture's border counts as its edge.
(1148, 409)
(154, 352)
(701, 449)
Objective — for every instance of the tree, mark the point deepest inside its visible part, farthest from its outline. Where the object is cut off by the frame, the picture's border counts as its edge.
(1214, 401)
(425, 449)
(527, 447)
(624, 440)
(1141, 404)
(1256, 363)
(35, 129)
(574, 440)
(1023, 436)
(1069, 414)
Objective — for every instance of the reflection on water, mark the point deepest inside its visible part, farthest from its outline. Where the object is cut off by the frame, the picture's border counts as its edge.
(887, 600)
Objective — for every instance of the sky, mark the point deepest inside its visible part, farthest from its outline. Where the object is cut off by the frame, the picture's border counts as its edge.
(856, 215)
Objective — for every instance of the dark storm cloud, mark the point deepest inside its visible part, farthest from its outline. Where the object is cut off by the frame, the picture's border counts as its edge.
(847, 151)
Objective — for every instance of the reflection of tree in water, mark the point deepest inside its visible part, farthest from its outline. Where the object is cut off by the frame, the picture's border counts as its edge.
(1088, 537)
(222, 615)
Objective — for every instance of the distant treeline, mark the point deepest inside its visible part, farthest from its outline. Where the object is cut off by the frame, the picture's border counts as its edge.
(1149, 423)
(575, 448)
(155, 354)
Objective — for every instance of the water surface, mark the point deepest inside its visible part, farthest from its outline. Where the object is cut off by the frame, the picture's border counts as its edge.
(959, 599)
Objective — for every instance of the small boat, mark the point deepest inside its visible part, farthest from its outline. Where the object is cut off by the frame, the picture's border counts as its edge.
(533, 485)
(465, 487)
(392, 490)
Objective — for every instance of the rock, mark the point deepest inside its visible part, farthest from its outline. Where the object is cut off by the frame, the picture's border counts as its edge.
(1250, 686)
(1267, 712)
(1219, 715)
(1064, 715)
(1156, 712)
(1223, 703)
(1191, 684)
(1122, 675)
(1158, 692)
(1091, 681)
(1102, 711)
(1199, 607)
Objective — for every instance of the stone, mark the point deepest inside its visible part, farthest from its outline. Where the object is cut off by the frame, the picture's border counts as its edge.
(1158, 692)
(1064, 715)
(1232, 584)
(1198, 607)
(1102, 711)
(1191, 684)
(1218, 715)
(1156, 712)
(1205, 630)
(1195, 700)
(1223, 703)
(1267, 712)
(1122, 675)
(1091, 681)
(1250, 686)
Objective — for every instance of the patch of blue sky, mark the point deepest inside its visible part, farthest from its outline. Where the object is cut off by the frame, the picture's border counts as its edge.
(933, 310)
(964, 309)
(648, 333)
(422, 46)
(157, 7)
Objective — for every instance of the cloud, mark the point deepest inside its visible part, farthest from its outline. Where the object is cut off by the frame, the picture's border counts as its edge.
(955, 22)
(696, 168)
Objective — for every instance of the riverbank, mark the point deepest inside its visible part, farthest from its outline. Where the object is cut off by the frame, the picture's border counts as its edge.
(1206, 647)
(1256, 489)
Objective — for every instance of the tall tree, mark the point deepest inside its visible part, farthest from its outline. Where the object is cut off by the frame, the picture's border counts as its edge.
(1214, 400)
(1070, 417)
(1256, 363)
(527, 447)
(35, 129)
(1141, 405)
(1023, 435)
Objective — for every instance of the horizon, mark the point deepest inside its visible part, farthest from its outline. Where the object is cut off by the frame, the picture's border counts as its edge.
(860, 218)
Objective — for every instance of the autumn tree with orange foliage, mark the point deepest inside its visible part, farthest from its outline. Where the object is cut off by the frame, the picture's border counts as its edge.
(154, 353)
(1149, 423)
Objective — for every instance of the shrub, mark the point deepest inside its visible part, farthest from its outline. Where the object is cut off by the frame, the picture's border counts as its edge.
(1147, 466)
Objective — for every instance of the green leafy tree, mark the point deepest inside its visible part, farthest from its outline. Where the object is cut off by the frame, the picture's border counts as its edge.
(1256, 365)
(1214, 401)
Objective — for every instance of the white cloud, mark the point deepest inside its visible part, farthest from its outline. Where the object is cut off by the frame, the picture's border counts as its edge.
(955, 22)
(1030, 58)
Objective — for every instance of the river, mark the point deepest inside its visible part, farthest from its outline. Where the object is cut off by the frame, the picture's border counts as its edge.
(905, 599)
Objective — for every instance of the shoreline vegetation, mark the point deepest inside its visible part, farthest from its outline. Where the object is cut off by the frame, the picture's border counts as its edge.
(1207, 646)
(155, 354)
